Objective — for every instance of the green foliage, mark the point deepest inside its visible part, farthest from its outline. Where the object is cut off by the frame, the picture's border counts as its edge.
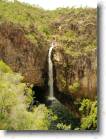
(39, 119)
(72, 53)
(44, 117)
(74, 87)
(4, 68)
(22, 120)
(88, 111)
(31, 38)
(61, 126)
(76, 37)
(15, 99)
(12, 92)
(21, 13)
(63, 82)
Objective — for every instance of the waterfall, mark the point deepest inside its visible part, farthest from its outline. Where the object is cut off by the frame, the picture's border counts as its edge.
(50, 70)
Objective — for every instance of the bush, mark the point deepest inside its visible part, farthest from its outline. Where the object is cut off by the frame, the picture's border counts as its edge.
(74, 87)
(38, 119)
(61, 126)
(88, 111)
(4, 68)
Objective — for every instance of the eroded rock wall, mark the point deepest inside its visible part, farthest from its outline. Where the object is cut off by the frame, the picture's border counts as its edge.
(23, 55)
(75, 76)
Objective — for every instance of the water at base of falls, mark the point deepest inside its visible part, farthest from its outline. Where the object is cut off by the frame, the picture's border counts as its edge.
(51, 98)
(50, 70)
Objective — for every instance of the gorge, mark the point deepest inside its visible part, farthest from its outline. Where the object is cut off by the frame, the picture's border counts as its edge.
(66, 72)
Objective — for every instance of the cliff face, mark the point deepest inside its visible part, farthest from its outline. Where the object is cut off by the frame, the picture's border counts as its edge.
(24, 53)
(75, 57)
(75, 75)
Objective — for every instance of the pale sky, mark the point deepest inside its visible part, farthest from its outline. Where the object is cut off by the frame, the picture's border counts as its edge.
(53, 4)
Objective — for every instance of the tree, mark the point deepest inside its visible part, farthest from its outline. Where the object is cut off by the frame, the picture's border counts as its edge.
(15, 99)
(88, 111)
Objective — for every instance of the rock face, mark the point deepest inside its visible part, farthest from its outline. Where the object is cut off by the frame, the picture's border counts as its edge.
(75, 75)
(21, 54)
(74, 78)
(75, 58)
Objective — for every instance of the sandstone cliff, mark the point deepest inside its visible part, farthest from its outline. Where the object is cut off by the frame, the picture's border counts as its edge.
(23, 55)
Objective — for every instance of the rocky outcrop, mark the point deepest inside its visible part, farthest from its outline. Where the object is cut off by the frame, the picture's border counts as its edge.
(24, 50)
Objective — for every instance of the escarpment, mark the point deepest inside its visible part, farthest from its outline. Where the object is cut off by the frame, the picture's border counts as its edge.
(75, 75)
(75, 57)
(24, 50)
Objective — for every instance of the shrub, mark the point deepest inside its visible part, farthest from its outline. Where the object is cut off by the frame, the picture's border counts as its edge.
(88, 111)
(4, 68)
(74, 87)
(38, 119)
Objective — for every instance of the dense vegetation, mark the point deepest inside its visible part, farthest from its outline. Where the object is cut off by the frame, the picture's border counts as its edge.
(74, 31)
(18, 113)
(15, 102)
(71, 20)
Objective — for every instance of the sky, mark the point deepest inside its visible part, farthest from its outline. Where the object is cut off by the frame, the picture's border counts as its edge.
(53, 4)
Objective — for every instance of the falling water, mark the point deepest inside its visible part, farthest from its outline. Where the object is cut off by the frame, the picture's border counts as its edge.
(50, 65)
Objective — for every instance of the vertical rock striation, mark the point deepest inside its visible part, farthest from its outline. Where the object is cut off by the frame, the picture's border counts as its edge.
(23, 55)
